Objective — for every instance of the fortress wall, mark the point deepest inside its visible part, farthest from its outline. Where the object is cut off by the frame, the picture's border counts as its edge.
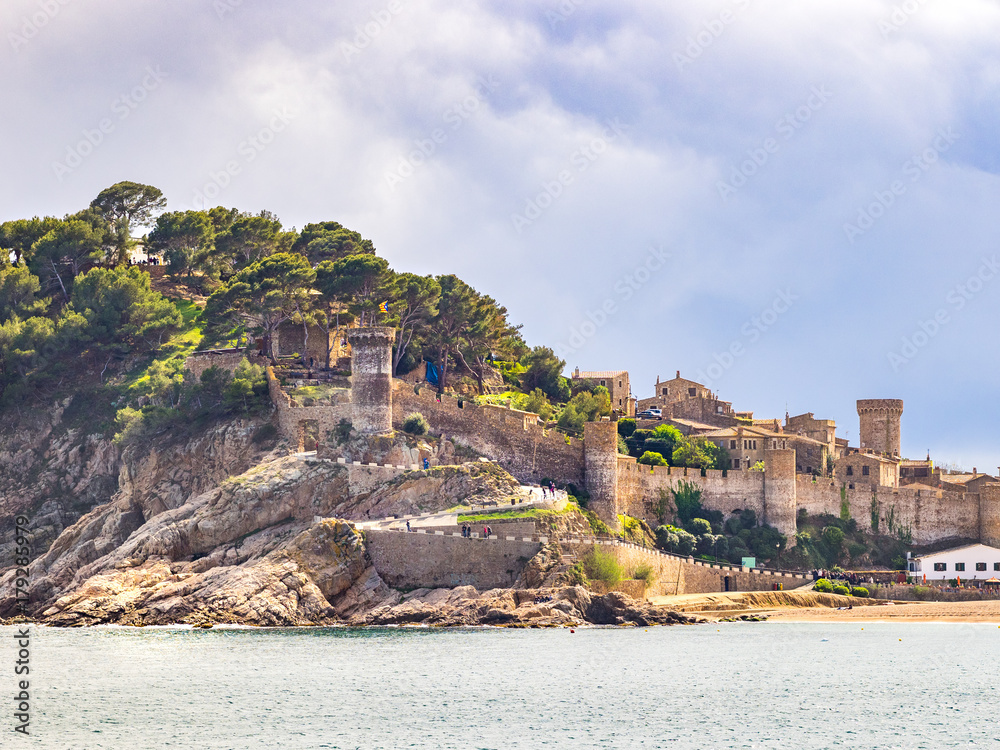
(819, 496)
(639, 488)
(512, 438)
(225, 359)
(682, 575)
(291, 418)
(932, 516)
(413, 560)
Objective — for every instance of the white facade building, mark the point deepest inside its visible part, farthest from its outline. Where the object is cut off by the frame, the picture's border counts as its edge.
(970, 563)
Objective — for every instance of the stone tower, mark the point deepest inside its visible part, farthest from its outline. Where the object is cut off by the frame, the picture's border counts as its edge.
(779, 491)
(989, 514)
(371, 379)
(880, 424)
(600, 457)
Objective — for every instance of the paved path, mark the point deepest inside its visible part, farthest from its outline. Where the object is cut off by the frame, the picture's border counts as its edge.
(531, 495)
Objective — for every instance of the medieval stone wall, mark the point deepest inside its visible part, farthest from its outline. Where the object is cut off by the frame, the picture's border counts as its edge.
(512, 438)
(224, 359)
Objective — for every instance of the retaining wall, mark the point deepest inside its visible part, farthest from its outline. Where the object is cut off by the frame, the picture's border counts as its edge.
(419, 560)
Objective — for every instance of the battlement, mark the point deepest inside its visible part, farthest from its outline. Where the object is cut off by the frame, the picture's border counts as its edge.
(513, 438)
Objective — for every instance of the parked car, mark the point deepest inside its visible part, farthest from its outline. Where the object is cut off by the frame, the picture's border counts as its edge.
(650, 414)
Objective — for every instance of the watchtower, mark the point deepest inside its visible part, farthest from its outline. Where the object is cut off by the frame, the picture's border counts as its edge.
(779, 491)
(371, 379)
(880, 424)
(600, 456)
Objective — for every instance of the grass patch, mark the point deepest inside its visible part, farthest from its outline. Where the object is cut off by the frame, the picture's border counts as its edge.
(507, 515)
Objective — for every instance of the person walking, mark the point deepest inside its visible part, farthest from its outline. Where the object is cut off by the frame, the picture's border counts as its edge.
(408, 526)
(489, 532)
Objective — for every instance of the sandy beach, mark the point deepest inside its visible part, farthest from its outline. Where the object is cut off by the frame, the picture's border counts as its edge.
(809, 606)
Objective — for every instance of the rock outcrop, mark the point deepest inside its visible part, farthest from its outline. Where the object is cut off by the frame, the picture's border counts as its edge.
(560, 607)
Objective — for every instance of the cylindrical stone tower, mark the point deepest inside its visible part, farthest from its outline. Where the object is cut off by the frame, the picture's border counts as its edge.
(600, 460)
(779, 491)
(880, 424)
(371, 379)
(989, 514)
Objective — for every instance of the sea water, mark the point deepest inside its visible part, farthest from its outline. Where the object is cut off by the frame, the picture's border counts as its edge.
(727, 685)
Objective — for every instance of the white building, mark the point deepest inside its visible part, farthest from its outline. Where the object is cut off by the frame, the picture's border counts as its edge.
(970, 563)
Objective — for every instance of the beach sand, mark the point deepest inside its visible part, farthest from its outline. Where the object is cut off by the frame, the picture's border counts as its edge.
(809, 606)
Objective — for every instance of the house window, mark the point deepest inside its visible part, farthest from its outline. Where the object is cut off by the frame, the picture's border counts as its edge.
(755, 445)
(959, 567)
(864, 471)
(850, 486)
(736, 463)
(732, 445)
(691, 391)
(602, 382)
(980, 566)
(940, 567)
(619, 384)
(850, 471)
(996, 566)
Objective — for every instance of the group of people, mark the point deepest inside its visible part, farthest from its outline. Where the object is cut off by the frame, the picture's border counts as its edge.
(467, 531)
(551, 490)
(853, 579)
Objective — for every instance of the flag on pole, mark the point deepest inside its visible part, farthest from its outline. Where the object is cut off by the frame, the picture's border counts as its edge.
(384, 307)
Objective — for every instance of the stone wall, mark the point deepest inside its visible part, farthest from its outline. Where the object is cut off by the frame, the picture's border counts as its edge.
(931, 515)
(224, 359)
(295, 421)
(416, 560)
(675, 574)
(512, 438)
(639, 488)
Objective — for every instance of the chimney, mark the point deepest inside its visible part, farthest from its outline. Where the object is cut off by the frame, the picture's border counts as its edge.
(974, 472)
(678, 374)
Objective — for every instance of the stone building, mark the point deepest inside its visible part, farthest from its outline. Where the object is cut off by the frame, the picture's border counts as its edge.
(681, 398)
(292, 341)
(616, 381)
(867, 468)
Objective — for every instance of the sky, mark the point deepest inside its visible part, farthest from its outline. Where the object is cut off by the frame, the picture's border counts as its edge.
(793, 203)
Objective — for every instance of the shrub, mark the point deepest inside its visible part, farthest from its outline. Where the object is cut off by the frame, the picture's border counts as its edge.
(860, 591)
(833, 536)
(823, 586)
(649, 458)
(842, 590)
(644, 572)
(698, 526)
(342, 432)
(266, 433)
(602, 566)
(415, 424)
(626, 427)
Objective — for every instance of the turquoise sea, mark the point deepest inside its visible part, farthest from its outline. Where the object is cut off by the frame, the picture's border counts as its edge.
(737, 685)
